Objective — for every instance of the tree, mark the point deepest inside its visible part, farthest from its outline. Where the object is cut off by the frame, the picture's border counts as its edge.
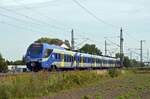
(127, 62)
(18, 62)
(91, 49)
(52, 41)
(135, 63)
(118, 55)
(3, 64)
(67, 43)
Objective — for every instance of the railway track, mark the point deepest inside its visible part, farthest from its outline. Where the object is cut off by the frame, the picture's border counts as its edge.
(8, 74)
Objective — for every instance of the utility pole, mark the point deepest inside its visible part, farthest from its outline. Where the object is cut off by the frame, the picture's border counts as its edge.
(72, 40)
(147, 55)
(105, 48)
(121, 47)
(130, 55)
(141, 52)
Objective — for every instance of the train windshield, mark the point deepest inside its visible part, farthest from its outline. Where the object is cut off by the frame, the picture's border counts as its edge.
(35, 49)
(47, 53)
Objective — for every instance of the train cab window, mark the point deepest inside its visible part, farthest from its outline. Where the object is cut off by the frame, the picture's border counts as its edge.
(47, 53)
(35, 49)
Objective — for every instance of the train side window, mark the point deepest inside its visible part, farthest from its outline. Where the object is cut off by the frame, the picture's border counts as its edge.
(92, 60)
(89, 60)
(72, 58)
(97, 60)
(65, 58)
(58, 56)
(80, 59)
(68, 58)
(55, 55)
(100, 61)
(84, 60)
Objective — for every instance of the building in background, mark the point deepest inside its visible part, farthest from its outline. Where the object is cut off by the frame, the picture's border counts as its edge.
(17, 68)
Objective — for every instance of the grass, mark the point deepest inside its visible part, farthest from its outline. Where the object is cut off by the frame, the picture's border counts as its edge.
(124, 84)
(32, 85)
(131, 85)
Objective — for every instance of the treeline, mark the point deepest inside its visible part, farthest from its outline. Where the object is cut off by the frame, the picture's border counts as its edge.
(4, 63)
(17, 62)
(129, 62)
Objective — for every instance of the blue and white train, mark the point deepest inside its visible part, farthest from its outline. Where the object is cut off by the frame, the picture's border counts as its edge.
(44, 56)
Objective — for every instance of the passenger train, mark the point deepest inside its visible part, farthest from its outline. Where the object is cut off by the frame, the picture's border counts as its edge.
(44, 56)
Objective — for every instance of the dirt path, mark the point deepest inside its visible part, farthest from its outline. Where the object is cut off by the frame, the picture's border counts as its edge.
(133, 87)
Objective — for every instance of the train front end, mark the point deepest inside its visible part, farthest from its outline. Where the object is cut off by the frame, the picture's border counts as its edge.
(35, 56)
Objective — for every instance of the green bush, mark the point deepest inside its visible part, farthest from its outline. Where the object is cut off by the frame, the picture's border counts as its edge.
(113, 72)
(3, 64)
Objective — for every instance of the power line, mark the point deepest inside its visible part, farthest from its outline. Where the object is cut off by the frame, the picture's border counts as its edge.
(113, 43)
(28, 17)
(20, 27)
(16, 19)
(37, 12)
(131, 37)
(42, 4)
(93, 15)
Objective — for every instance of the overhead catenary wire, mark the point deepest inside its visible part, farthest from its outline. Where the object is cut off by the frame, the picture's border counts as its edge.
(18, 26)
(19, 20)
(93, 15)
(113, 43)
(83, 7)
(30, 18)
(41, 14)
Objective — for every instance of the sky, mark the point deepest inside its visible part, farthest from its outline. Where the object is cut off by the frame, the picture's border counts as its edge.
(24, 21)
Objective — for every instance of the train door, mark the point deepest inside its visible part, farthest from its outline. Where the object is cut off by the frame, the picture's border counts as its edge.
(62, 60)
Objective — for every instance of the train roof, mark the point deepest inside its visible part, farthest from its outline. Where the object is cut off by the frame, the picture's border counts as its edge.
(51, 46)
(78, 53)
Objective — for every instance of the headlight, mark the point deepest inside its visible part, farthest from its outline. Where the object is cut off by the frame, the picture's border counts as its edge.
(33, 64)
(40, 60)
